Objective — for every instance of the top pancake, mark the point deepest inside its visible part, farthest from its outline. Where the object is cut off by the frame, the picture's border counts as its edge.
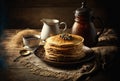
(60, 42)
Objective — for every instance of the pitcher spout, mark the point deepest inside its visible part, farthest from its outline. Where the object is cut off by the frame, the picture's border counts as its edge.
(43, 20)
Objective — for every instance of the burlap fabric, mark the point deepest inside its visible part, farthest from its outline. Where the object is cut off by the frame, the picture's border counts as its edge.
(105, 52)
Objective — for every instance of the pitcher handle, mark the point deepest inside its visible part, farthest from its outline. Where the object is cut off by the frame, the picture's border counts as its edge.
(102, 25)
(65, 27)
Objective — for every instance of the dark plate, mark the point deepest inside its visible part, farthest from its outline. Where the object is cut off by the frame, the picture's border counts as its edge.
(89, 57)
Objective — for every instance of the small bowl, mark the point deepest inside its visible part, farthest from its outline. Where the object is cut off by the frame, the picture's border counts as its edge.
(31, 40)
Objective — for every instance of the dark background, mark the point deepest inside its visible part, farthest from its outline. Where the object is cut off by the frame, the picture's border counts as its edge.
(28, 13)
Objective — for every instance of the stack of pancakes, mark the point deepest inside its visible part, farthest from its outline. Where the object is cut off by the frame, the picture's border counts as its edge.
(64, 48)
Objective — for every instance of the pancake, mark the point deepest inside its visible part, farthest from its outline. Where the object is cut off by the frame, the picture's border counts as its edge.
(64, 47)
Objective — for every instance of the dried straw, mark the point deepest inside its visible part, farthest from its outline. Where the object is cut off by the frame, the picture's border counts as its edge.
(16, 40)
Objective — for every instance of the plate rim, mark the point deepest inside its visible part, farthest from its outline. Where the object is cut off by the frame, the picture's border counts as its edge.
(42, 57)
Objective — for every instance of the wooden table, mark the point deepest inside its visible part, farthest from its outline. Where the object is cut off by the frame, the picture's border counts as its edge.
(11, 71)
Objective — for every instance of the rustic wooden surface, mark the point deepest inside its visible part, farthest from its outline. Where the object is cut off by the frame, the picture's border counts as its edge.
(10, 71)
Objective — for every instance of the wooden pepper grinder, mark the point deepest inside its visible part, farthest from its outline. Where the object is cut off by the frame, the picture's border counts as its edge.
(84, 25)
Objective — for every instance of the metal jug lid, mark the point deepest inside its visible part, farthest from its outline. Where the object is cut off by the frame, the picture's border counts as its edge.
(83, 10)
